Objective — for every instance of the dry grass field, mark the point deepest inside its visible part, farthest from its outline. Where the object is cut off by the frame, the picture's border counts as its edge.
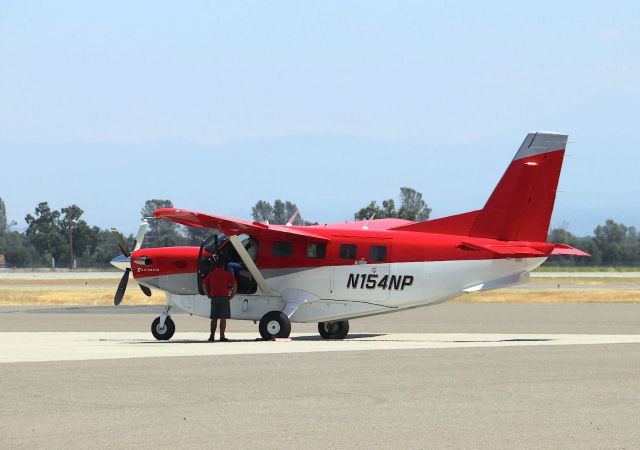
(75, 297)
(551, 296)
(89, 292)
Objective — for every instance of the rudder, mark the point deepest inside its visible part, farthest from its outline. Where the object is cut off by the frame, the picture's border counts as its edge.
(520, 206)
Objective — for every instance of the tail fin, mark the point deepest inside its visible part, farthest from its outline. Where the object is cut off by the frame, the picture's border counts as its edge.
(520, 206)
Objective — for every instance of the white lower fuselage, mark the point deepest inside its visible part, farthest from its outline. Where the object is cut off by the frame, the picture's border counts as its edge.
(332, 293)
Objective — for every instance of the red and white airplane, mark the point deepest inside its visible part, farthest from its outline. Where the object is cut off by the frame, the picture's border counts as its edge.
(332, 273)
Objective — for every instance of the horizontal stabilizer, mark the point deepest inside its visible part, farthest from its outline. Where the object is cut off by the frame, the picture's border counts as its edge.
(563, 249)
(508, 250)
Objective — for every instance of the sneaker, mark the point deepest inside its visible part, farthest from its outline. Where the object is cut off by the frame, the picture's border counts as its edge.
(210, 338)
(224, 339)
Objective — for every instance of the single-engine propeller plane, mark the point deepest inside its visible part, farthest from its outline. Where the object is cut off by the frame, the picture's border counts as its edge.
(332, 273)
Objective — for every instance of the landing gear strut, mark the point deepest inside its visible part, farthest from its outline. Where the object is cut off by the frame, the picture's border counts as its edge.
(334, 330)
(274, 324)
(163, 327)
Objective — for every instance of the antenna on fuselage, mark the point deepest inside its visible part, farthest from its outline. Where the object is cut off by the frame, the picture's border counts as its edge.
(366, 224)
(290, 222)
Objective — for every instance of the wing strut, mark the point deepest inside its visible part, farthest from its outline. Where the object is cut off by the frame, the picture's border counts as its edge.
(251, 266)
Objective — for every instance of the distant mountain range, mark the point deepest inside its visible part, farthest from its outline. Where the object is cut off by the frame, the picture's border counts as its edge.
(328, 176)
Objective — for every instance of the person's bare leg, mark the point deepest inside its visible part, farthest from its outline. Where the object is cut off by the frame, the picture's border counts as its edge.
(223, 327)
(214, 325)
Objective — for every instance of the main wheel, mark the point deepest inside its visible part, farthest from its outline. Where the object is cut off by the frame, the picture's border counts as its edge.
(165, 332)
(334, 330)
(273, 325)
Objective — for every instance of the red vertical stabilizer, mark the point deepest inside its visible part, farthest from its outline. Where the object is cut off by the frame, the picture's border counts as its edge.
(520, 206)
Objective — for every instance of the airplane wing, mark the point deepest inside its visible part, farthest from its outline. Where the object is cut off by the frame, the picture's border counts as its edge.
(232, 227)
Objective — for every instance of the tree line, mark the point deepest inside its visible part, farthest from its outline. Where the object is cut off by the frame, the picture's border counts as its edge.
(612, 244)
(62, 238)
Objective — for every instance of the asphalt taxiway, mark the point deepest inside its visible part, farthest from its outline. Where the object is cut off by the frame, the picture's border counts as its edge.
(452, 375)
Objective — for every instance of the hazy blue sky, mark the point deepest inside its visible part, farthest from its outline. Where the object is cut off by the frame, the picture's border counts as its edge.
(329, 104)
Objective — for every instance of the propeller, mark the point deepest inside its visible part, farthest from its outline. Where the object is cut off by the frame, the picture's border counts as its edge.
(117, 236)
(124, 261)
(121, 287)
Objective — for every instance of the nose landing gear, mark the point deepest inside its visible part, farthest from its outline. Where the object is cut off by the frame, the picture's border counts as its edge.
(163, 327)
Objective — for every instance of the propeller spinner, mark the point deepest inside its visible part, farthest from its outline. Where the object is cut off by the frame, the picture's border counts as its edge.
(124, 261)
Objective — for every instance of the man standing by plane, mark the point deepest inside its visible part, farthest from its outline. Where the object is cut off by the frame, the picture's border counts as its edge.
(220, 286)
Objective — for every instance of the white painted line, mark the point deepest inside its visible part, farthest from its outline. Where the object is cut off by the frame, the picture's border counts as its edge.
(81, 346)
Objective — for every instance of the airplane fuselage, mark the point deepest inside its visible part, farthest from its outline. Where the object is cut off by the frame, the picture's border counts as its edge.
(415, 269)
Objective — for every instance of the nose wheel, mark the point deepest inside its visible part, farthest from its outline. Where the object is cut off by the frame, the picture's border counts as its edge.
(161, 329)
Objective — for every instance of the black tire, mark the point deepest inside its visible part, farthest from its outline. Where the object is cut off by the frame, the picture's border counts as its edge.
(163, 334)
(273, 325)
(334, 330)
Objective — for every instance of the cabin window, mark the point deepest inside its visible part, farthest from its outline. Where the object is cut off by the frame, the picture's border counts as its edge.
(316, 250)
(282, 249)
(348, 251)
(378, 253)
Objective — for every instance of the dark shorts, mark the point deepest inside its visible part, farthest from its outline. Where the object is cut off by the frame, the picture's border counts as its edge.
(220, 308)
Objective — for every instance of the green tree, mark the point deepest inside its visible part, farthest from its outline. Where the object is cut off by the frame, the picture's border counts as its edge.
(3, 217)
(18, 251)
(412, 206)
(100, 250)
(278, 214)
(161, 233)
(388, 210)
(70, 226)
(195, 236)
(43, 231)
(262, 211)
(618, 244)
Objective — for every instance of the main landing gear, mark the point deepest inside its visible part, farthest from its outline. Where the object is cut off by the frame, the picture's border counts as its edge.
(274, 324)
(334, 330)
(163, 327)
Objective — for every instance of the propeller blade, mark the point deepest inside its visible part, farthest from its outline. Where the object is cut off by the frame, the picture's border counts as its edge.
(140, 236)
(121, 287)
(146, 290)
(117, 236)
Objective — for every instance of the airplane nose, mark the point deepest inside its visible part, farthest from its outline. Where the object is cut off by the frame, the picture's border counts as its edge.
(121, 262)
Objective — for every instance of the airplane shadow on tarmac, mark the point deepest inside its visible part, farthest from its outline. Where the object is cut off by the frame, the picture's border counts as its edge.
(320, 339)
(508, 340)
(198, 341)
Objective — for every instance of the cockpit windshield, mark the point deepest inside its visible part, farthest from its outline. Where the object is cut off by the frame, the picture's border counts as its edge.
(210, 243)
(223, 240)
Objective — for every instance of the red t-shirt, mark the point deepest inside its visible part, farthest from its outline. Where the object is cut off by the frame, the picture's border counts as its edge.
(218, 282)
